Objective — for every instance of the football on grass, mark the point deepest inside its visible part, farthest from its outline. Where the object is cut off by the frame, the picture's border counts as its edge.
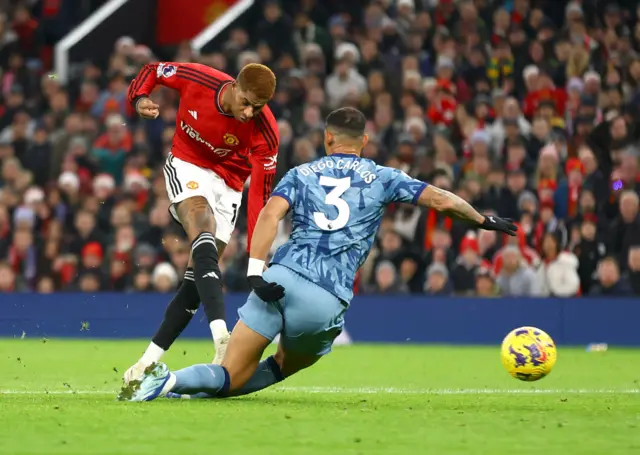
(528, 353)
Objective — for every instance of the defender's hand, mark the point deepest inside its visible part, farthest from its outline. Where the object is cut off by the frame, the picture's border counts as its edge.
(268, 292)
(495, 223)
(147, 109)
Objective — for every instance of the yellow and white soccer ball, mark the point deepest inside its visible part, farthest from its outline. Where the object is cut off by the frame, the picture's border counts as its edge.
(528, 353)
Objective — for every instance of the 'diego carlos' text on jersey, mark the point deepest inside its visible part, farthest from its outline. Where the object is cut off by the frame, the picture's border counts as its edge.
(337, 204)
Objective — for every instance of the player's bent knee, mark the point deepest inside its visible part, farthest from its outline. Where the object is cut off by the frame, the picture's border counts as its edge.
(290, 364)
(292, 367)
(279, 357)
(243, 354)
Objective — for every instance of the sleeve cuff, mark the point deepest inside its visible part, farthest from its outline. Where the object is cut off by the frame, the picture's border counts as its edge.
(134, 101)
(418, 193)
(283, 196)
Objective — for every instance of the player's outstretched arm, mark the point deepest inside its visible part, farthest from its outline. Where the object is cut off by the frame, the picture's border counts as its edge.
(263, 237)
(170, 74)
(267, 228)
(452, 205)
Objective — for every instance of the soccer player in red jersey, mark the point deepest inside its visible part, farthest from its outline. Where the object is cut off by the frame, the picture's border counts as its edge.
(225, 133)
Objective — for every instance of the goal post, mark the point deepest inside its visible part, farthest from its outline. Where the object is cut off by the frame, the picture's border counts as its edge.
(63, 47)
(220, 24)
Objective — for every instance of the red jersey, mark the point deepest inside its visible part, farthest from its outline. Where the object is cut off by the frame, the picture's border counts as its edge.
(208, 137)
(532, 100)
(443, 113)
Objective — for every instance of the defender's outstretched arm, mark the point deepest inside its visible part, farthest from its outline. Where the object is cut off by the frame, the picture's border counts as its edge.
(266, 229)
(263, 236)
(452, 205)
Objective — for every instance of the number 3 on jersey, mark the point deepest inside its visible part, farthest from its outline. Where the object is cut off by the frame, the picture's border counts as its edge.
(333, 198)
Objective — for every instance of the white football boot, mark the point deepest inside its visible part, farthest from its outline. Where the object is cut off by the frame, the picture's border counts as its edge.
(135, 373)
(156, 381)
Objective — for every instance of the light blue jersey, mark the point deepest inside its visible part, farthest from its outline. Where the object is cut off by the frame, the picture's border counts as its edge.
(337, 203)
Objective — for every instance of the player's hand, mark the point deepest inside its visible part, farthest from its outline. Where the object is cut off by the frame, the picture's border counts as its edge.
(147, 109)
(495, 223)
(268, 292)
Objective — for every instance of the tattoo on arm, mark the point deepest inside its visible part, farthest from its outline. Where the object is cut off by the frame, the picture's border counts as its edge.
(196, 216)
(450, 204)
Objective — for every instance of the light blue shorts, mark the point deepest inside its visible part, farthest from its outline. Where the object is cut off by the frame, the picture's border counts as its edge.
(308, 318)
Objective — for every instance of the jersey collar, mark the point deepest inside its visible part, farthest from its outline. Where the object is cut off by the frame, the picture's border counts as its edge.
(219, 98)
(346, 155)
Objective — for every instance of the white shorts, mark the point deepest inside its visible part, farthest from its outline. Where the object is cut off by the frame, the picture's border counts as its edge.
(184, 180)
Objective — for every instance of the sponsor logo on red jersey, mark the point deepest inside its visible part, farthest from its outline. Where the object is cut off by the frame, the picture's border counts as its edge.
(271, 162)
(193, 134)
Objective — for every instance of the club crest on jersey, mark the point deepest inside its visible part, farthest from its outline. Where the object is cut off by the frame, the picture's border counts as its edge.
(192, 185)
(165, 70)
(230, 139)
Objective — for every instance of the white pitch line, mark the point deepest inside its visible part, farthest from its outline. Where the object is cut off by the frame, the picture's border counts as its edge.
(371, 390)
(392, 390)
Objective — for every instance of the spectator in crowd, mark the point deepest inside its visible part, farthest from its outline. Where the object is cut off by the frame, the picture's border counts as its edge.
(558, 273)
(345, 82)
(164, 278)
(111, 148)
(391, 248)
(626, 227)
(438, 284)
(276, 29)
(633, 276)
(89, 282)
(526, 113)
(529, 254)
(463, 275)
(387, 279)
(441, 250)
(8, 280)
(485, 283)
(589, 250)
(142, 281)
(516, 279)
(610, 283)
(549, 223)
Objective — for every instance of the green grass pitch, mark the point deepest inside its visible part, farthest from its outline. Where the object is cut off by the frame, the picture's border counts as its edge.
(58, 397)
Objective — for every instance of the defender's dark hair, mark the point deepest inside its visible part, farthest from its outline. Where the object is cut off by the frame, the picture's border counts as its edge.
(346, 121)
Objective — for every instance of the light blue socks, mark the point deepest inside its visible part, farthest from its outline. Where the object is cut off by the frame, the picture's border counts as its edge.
(267, 374)
(207, 378)
(213, 381)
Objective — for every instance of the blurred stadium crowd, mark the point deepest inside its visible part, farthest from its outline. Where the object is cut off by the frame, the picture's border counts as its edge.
(529, 109)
